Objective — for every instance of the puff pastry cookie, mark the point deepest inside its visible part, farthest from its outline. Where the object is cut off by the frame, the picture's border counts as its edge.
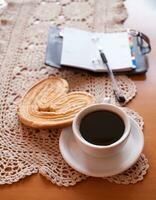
(47, 104)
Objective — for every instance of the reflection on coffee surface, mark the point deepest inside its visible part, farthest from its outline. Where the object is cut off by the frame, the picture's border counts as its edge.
(102, 127)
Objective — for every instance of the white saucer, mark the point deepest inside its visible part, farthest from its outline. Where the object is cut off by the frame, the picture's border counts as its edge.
(102, 167)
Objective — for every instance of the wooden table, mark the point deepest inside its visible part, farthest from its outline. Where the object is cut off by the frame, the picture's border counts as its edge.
(142, 16)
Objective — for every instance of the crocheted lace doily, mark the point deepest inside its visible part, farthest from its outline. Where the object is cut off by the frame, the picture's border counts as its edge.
(23, 36)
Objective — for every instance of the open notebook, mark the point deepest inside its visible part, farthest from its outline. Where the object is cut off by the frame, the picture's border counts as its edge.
(80, 49)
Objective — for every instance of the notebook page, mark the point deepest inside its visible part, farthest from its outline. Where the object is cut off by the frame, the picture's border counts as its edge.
(117, 50)
(78, 49)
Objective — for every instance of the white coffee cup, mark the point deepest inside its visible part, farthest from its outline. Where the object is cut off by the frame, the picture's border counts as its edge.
(101, 150)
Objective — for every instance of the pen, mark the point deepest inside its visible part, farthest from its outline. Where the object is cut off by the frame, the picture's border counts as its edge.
(116, 89)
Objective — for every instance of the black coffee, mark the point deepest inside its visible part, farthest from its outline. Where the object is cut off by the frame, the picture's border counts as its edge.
(102, 127)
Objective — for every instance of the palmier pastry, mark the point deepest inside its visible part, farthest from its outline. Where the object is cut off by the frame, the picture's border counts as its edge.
(47, 104)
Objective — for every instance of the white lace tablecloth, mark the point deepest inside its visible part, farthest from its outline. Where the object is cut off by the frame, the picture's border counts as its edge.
(23, 37)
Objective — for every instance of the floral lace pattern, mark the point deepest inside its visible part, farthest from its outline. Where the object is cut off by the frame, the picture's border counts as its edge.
(23, 37)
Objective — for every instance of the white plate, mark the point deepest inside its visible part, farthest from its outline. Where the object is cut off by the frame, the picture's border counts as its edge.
(101, 167)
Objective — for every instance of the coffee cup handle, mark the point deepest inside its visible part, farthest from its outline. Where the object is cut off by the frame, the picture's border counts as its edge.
(107, 100)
